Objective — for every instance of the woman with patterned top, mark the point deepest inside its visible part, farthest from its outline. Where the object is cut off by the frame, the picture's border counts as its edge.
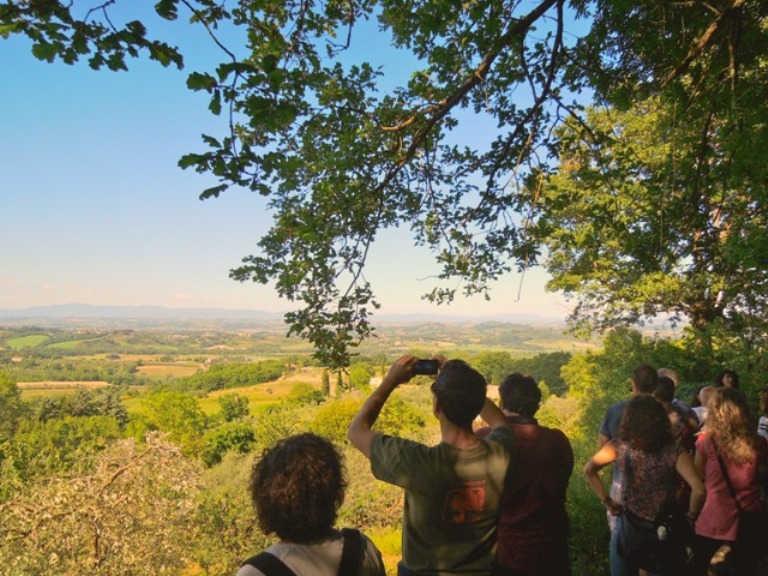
(649, 460)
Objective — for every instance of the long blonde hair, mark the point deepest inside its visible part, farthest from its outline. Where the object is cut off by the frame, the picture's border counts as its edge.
(728, 424)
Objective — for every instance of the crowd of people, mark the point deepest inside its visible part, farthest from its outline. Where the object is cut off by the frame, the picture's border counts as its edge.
(492, 500)
(655, 440)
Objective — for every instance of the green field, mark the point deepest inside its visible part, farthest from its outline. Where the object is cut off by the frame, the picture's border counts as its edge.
(27, 341)
(70, 344)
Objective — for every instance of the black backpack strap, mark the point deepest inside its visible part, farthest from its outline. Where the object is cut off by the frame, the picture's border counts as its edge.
(352, 554)
(269, 564)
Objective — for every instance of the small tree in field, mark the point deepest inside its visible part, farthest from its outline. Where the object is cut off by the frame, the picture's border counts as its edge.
(233, 407)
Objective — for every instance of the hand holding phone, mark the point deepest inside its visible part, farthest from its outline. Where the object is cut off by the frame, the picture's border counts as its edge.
(429, 367)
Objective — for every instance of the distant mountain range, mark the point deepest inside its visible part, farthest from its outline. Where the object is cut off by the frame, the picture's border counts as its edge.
(154, 313)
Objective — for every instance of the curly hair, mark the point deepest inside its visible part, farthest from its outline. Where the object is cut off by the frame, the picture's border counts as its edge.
(645, 425)
(297, 487)
(729, 425)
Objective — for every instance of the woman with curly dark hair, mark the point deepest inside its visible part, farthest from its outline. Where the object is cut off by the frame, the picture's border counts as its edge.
(730, 456)
(297, 487)
(649, 460)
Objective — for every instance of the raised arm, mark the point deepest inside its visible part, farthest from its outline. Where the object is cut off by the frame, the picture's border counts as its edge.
(492, 415)
(360, 431)
(606, 455)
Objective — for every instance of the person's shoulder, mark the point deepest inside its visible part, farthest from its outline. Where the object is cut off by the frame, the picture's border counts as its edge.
(373, 565)
(701, 442)
(556, 435)
(612, 418)
(389, 447)
(500, 434)
(249, 570)
(616, 408)
(386, 439)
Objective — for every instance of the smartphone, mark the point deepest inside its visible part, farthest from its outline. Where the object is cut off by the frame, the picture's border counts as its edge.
(425, 367)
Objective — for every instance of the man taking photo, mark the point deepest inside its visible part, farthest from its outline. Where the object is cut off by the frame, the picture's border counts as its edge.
(452, 490)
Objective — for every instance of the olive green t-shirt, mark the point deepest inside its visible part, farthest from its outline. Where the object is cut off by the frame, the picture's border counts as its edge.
(452, 499)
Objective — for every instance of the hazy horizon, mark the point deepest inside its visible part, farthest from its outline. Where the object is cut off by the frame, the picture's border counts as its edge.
(99, 213)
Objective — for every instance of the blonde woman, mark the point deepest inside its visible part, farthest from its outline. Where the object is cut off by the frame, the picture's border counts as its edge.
(731, 458)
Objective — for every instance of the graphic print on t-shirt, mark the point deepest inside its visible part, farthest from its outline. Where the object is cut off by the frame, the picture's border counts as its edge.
(464, 503)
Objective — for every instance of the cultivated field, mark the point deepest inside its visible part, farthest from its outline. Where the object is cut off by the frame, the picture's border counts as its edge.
(56, 388)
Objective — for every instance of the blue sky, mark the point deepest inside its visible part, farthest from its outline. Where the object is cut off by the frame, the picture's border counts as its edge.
(96, 211)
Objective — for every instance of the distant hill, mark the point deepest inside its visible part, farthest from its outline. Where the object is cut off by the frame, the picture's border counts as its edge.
(72, 311)
(84, 312)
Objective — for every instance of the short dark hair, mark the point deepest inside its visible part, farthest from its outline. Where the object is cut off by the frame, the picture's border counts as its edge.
(665, 389)
(645, 378)
(297, 487)
(520, 393)
(720, 380)
(460, 389)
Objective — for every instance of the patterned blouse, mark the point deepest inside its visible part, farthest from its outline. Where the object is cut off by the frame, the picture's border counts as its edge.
(651, 481)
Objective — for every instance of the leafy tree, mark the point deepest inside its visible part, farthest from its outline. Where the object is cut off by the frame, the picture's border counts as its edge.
(343, 151)
(225, 517)
(56, 446)
(304, 394)
(102, 402)
(545, 367)
(651, 214)
(233, 375)
(332, 420)
(128, 514)
(401, 418)
(494, 366)
(179, 415)
(360, 375)
(233, 407)
(229, 437)
(274, 423)
(12, 407)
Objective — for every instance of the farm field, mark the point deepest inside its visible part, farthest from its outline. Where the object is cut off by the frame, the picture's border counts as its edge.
(160, 371)
(31, 390)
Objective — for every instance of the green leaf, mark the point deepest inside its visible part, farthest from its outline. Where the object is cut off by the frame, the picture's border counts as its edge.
(269, 63)
(189, 160)
(7, 29)
(167, 9)
(215, 104)
(213, 192)
(201, 81)
(44, 51)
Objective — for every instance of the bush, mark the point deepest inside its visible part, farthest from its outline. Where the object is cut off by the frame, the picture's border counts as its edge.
(229, 437)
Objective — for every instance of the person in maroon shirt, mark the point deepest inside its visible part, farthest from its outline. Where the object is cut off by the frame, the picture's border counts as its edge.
(533, 525)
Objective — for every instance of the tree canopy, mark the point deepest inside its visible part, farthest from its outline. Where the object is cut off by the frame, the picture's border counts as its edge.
(342, 152)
